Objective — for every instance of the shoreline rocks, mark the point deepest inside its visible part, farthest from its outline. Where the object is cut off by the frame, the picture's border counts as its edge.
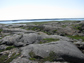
(45, 43)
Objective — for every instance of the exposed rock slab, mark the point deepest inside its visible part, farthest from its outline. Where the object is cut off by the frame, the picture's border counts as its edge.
(64, 49)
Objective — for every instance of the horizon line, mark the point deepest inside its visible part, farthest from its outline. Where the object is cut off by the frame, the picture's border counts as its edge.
(40, 19)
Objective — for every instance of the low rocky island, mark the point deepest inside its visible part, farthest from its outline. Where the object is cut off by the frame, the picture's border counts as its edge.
(42, 42)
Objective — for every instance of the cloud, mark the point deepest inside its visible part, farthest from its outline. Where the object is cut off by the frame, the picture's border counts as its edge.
(36, 12)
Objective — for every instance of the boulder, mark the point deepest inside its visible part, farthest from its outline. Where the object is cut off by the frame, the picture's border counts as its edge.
(10, 40)
(21, 40)
(30, 38)
(62, 49)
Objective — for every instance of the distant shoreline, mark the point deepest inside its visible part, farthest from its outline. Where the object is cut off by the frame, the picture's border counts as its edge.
(40, 20)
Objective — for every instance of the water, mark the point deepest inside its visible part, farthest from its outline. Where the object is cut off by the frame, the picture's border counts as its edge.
(10, 22)
(37, 20)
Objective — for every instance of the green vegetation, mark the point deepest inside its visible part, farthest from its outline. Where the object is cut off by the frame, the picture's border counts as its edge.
(41, 28)
(47, 32)
(52, 57)
(54, 31)
(22, 28)
(2, 50)
(76, 37)
(32, 58)
(36, 23)
(64, 26)
(35, 28)
(1, 37)
(77, 27)
(5, 59)
(47, 40)
(50, 32)
(32, 55)
(32, 28)
(50, 39)
(1, 30)
(39, 23)
(10, 47)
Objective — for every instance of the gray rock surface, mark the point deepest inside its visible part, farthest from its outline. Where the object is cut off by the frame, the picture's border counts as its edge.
(79, 44)
(11, 30)
(9, 40)
(26, 39)
(55, 37)
(64, 49)
(21, 40)
(15, 25)
(18, 44)
(2, 47)
(29, 38)
(22, 60)
(55, 62)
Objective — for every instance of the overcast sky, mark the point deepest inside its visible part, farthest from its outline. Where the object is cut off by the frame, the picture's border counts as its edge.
(38, 9)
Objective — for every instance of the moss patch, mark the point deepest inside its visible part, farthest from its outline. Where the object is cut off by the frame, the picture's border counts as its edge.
(5, 59)
(10, 47)
(39, 23)
(2, 50)
(1, 30)
(22, 27)
(77, 27)
(54, 31)
(32, 54)
(47, 32)
(64, 26)
(52, 57)
(76, 37)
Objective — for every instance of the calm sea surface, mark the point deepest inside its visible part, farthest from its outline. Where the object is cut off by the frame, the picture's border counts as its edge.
(37, 20)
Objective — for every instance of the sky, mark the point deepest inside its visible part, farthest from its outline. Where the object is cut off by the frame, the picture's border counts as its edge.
(41, 9)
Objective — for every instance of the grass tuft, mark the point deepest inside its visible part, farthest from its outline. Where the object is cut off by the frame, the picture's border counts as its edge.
(64, 26)
(10, 47)
(1, 30)
(5, 59)
(76, 37)
(52, 57)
